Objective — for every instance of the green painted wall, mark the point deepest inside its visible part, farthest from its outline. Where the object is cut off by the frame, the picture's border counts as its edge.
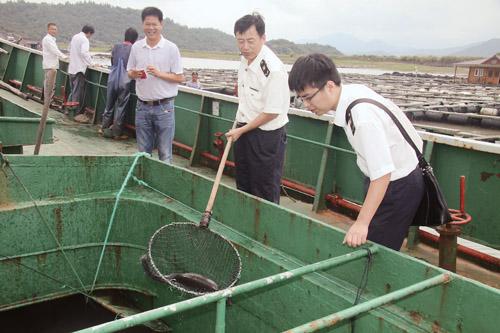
(75, 196)
(18, 125)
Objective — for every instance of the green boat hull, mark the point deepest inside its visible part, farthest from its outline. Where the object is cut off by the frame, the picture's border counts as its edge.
(19, 125)
(318, 156)
(61, 235)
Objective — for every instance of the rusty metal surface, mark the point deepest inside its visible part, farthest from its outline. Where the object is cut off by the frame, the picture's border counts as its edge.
(76, 196)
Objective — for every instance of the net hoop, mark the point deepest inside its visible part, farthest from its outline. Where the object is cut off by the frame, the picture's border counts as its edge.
(179, 286)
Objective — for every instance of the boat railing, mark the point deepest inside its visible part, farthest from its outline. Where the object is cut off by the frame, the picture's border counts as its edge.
(353, 311)
(319, 164)
(230, 121)
(221, 297)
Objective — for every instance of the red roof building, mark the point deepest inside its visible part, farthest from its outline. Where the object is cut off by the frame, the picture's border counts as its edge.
(484, 71)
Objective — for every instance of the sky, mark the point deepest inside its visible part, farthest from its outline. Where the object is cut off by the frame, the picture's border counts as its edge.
(413, 23)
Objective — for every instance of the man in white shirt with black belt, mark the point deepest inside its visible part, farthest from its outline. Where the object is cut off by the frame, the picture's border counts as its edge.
(50, 61)
(264, 98)
(79, 60)
(394, 183)
(155, 64)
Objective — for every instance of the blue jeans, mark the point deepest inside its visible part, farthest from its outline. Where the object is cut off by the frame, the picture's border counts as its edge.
(155, 125)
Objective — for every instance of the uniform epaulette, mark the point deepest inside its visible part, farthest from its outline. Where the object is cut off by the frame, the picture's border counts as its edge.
(265, 69)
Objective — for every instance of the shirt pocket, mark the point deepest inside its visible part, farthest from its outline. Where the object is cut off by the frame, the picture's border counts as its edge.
(141, 63)
(254, 95)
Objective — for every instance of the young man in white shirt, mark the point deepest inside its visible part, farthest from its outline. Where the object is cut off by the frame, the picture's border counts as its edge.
(264, 97)
(50, 63)
(394, 183)
(155, 64)
(79, 60)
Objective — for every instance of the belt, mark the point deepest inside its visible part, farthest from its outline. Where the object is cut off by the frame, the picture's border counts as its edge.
(157, 102)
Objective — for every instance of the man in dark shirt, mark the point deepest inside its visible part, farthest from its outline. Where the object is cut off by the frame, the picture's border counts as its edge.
(118, 91)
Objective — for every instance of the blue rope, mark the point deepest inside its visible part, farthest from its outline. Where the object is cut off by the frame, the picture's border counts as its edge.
(112, 218)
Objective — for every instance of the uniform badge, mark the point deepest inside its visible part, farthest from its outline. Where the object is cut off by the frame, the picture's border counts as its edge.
(264, 68)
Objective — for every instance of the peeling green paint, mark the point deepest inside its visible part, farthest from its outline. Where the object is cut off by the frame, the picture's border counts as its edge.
(292, 240)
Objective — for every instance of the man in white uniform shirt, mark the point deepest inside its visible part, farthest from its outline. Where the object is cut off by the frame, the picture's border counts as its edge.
(394, 182)
(79, 60)
(155, 64)
(50, 63)
(264, 97)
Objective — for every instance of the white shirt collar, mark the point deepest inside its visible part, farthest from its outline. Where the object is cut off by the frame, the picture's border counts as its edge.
(160, 44)
(255, 65)
(344, 100)
(50, 36)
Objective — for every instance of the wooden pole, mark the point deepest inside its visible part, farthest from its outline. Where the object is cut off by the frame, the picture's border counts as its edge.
(50, 80)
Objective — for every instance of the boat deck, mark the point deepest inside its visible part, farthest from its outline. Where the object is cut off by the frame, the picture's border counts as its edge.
(71, 138)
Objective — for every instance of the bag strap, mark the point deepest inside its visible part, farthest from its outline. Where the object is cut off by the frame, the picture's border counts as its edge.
(348, 119)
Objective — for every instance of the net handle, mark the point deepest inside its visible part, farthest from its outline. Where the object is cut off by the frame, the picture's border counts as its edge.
(205, 219)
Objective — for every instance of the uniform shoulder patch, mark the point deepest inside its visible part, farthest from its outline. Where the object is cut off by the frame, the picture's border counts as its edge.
(265, 69)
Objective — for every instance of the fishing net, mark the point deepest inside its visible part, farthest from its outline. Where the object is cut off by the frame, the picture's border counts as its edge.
(192, 259)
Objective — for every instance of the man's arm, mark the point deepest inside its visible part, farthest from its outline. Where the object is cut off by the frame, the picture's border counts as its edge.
(276, 99)
(52, 48)
(132, 72)
(172, 77)
(260, 120)
(113, 52)
(375, 150)
(357, 233)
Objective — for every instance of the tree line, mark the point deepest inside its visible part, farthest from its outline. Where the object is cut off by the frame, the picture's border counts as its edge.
(29, 20)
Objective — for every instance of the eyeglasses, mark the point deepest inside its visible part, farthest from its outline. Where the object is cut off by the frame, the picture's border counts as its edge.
(308, 99)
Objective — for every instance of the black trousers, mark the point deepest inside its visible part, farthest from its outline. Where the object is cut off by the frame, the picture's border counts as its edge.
(259, 157)
(395, 214)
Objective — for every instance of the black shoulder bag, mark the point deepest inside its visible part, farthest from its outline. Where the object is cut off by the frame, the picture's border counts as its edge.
(433, 210)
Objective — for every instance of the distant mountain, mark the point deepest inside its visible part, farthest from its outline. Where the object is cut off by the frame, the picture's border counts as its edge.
(348, 44)
(283, 46)
(478, 49)
(484, 49)
(29, 20)
(351, 45)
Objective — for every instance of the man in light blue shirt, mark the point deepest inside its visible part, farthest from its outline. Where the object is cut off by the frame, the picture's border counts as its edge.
(155, 64)
(194, 83)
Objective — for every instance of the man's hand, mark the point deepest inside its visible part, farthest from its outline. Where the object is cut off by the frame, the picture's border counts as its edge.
(356, 235)
(234, 133)
(135, 74)
(153, 71)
